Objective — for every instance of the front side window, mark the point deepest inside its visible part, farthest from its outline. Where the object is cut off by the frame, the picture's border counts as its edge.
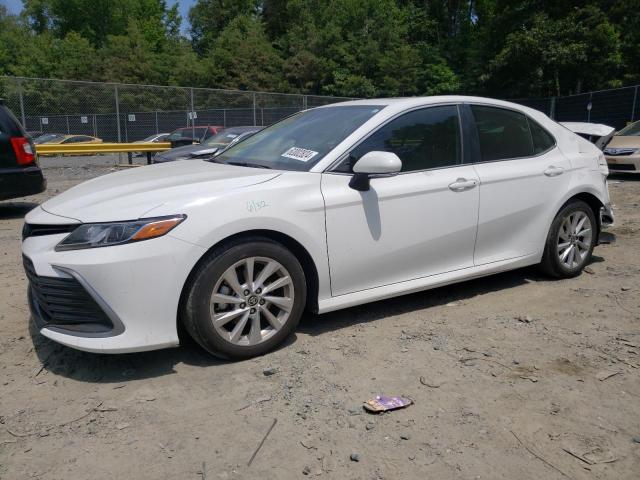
(503, 134)
(300, 141)
(422, 139)
(48, 137)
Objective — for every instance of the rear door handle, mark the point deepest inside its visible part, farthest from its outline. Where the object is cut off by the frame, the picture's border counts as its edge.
(553, 171)
(462, 184)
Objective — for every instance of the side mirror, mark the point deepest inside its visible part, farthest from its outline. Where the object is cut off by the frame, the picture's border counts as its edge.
(374, 165)
(206, 151)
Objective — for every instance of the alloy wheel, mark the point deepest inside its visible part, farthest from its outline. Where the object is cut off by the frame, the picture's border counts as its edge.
(574, 239)
(251, 301)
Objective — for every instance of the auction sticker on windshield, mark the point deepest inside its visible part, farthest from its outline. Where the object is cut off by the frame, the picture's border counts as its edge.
(301, 154)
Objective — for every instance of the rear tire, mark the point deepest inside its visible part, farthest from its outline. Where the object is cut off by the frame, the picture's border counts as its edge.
(570, 241)
(243, 300)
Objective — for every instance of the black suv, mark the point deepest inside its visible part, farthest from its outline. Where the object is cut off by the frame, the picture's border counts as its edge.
(20, 174)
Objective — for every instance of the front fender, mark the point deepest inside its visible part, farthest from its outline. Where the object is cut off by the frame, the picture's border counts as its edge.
(291, 204)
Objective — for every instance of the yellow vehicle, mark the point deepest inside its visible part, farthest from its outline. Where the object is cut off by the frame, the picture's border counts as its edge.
(60, 139)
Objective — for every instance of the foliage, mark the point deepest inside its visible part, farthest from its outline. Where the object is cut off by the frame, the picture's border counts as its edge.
(362, 48)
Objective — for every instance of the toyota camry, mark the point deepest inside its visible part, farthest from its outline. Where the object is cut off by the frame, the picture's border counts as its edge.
(329, 208)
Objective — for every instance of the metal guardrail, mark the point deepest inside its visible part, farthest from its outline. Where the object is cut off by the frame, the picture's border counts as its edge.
(95, 148)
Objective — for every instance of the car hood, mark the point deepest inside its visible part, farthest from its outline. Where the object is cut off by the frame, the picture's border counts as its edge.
(624, 141)
(131, 194)
(187, 151)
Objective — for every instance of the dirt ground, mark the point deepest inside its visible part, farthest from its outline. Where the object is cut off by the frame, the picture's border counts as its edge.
(513, 377)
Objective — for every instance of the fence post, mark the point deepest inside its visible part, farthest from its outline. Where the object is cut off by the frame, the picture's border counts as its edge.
(24, 118)
(157, 131)
(115, 88)
(193, 120)
(68, 130)
(304, 102)
(633, 107)
(224, 117)
(254, 109)
(552, 108)
(589, 107)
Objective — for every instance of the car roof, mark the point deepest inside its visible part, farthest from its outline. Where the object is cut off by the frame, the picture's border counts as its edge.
(200, 126)
(408, 102)
(243, 128)
(397, 105)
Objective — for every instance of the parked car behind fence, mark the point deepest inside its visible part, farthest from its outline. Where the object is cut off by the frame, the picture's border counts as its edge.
(623, 151)
(207, 148)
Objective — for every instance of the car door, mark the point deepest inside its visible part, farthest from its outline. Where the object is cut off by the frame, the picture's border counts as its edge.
(419, 222)
(523, 176)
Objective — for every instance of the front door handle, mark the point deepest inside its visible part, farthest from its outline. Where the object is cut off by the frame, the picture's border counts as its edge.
(553, 171)
(462, 184)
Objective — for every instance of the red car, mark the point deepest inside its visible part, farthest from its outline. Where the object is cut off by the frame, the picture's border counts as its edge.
(190, 135)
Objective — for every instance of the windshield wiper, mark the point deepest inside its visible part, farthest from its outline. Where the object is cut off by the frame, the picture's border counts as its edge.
(245, 164)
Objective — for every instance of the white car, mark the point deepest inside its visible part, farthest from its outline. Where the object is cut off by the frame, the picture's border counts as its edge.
(328, 208)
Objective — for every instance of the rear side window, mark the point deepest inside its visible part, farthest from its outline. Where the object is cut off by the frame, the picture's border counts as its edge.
(542, 140)
(9, 124)
(422, 139)
(503, 133)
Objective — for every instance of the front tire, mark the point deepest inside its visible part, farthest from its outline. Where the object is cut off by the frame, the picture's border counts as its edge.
(244, 300)
(570, 241)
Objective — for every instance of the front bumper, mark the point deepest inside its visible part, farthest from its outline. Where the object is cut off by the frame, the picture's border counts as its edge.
(606, 216)
(623, 163)
(136, 287)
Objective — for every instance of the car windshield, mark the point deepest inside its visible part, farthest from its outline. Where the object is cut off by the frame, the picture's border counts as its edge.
(187, 133)
(48, 137)
(150, 138)
(300, 141)
(223, 138)
(632, 130)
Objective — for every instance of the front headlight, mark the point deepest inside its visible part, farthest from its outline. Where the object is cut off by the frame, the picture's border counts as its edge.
(92, 235)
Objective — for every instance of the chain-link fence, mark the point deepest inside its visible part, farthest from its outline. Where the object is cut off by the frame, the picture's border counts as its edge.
(126, 113)
(616, 107)
(122, 112)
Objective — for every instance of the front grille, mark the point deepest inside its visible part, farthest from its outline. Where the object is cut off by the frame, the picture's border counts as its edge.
(34, 230)
(64, 303)
(620, 166)
(618, 152)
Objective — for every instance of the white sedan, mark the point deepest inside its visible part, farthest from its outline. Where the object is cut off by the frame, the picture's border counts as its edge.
(328, 208)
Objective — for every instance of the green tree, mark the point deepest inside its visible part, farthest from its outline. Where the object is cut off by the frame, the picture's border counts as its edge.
(242, 57)
(96, 20)
(503, 48)
(557, 56)
(208, 18)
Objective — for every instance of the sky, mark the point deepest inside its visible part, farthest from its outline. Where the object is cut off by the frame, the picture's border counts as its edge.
(14, 6)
